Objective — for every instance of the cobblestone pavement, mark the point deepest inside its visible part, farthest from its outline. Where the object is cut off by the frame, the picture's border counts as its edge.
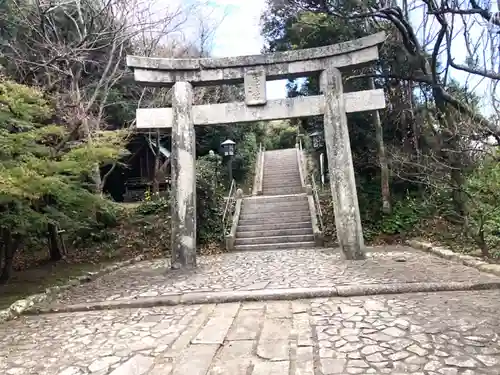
(273, 270)
(424, 333)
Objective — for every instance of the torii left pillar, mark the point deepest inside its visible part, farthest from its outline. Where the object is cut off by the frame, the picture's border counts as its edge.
(183, 209)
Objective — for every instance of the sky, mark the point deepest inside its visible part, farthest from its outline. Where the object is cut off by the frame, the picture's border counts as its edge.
(239, 34)
(477, 33)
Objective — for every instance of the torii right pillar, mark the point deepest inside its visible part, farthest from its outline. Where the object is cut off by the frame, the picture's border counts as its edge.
(341, 168)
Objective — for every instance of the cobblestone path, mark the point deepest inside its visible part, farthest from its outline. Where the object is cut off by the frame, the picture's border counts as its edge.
(439, 333)
(273, 270)
(431, 334)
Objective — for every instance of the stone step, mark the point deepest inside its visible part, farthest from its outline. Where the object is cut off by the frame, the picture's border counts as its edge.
(274, 177)
(274, 232)
(282, 168)
(276, 246)
(283, 184)
(276, 239)
(285, 215)
(277, 215)
(282, 150)
(275, 207)
(306, 224)
(283, 176)
(281, 201)
(287, 156)
(296, 186)
(281, 191)
(286, 177)
(275, 199)
(273, 219)
(292, 182)
(256, 210)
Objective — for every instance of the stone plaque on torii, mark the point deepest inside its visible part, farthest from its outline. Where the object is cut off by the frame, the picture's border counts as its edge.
(253, 71)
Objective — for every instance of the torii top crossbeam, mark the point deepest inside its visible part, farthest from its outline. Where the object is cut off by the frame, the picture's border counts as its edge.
(156, 71)
(254, 71)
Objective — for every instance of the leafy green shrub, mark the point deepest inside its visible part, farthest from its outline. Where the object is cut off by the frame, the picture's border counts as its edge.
(405, 215)
(244, 160)
(159, 205)
(42, 176)
(483, 189)
(281, 136)
(209, 201)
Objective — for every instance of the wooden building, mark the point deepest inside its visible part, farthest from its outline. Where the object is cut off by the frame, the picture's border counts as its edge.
(130, 182)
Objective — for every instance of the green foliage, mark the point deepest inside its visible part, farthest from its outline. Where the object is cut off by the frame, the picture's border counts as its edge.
(483, 188)
(91, 229)
(408, 211)
(152, 205)
(281, 135)
(209, 201)
(247, 138)
(307, 143)
(40, 181)
(106, 148)
(244, 158)
(405, 215)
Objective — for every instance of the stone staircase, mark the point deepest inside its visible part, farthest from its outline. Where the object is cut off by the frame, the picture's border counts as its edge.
(281, 173)
(280, 218)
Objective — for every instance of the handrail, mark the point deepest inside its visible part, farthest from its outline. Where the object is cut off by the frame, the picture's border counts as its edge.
(230, 237)
(300, 160)
(312, 195)
(259, 167)
(229, 201)
(261, 172)
(317, 201)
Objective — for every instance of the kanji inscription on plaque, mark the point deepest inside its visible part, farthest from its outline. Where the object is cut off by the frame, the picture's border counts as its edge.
(255, 88)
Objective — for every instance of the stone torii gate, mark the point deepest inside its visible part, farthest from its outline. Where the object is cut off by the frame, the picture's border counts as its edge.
(253, 71)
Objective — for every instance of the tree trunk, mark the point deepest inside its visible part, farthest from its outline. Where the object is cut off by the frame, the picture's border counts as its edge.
(95, 174)
(156, 176)
(105, 178)
(96, 179)
(481, 242)
(453, 157)
(157, 165)
(382, 158)
(55, 251)
(10, 247)
(459, 196)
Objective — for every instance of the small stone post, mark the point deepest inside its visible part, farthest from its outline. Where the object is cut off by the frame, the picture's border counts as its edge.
(341, 169)
(183, 178)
